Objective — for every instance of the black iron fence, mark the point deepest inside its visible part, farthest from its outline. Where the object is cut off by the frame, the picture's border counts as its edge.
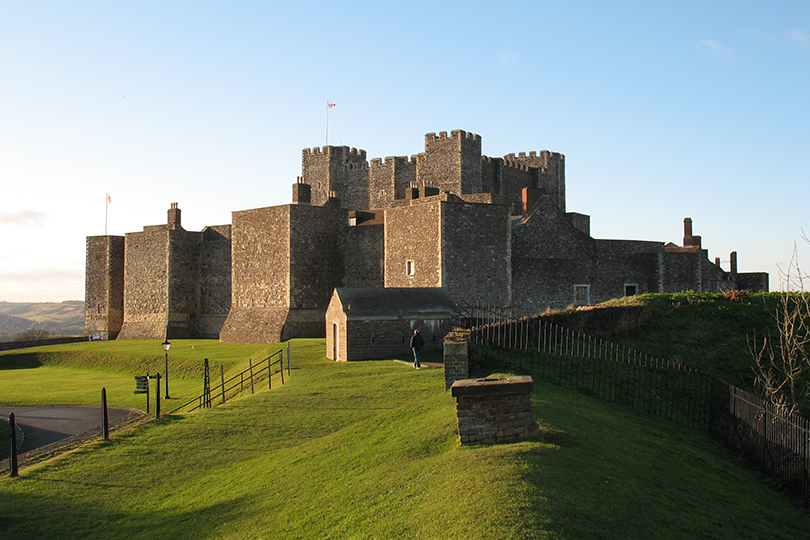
(595, 367)
(776, 444)
(779, 445)
(257, 374)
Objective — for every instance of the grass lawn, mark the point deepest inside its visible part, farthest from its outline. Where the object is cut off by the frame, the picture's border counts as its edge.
(370, 450)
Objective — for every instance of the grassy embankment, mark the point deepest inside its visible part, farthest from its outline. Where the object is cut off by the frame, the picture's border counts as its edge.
(369, 450)
(704, 331)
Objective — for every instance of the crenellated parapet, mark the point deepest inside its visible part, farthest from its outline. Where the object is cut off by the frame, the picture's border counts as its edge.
(452, 162)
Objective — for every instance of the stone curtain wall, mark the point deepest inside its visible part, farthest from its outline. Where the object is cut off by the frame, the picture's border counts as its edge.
(365, 256)
(413, 233)
(475, 252)
(260, 262)
(184, 283)
(317, 240)
(494, 411)
(286, 260)
(104, 286)
(215, 280)
(146, 291)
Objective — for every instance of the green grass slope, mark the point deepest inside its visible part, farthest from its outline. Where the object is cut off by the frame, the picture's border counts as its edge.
(370, 450)
(705, 331)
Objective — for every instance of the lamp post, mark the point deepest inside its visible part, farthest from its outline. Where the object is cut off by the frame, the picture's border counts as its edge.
(166, 346)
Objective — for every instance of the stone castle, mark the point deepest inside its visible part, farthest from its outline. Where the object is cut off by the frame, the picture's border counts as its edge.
(485, 230)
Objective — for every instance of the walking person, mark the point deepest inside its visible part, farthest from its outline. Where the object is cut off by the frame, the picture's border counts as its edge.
(417, 342)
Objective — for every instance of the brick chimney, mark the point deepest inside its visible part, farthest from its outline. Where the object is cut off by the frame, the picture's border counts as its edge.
(688, 239)
(302, 193)
(174, 216)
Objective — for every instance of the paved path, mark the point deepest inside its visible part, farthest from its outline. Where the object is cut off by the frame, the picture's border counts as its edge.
(44, 425)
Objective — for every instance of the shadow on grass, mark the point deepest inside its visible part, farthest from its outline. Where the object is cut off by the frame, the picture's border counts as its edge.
(19, 361)
(36, 516)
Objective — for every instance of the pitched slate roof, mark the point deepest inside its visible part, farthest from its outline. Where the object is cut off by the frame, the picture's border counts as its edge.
(395, 303)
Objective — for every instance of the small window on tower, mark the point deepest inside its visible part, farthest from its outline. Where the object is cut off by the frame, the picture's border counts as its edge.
(409, 268)
(630, 289)
(581, 294)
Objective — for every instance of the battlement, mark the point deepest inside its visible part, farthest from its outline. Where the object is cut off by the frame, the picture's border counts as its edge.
(454, 134)
(534, 159)
(515, 165)
(391, 160)
(352, 153)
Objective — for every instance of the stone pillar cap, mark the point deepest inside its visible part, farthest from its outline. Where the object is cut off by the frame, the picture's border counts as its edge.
(520, 384)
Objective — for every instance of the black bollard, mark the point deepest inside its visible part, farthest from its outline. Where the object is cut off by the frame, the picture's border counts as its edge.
(12, 455)
(157, 397)
(105, 419)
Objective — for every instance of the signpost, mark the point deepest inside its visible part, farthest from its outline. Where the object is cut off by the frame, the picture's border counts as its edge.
(142, 387)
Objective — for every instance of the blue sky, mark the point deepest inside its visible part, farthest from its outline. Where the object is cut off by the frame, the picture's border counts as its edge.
(663, 110)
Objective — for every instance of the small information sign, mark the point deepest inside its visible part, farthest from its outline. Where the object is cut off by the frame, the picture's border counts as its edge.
(142, 384)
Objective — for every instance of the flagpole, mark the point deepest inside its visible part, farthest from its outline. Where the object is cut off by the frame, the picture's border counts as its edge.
(327, 122)
(106, 211)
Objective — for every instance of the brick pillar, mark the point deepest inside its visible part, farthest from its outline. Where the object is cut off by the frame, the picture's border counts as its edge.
(456, 362)
(497, 410)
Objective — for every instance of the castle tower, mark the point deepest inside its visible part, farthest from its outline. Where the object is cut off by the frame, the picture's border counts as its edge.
(104, 286)
(339, 170)
(162, 268)
(550, 173)
(452, 164)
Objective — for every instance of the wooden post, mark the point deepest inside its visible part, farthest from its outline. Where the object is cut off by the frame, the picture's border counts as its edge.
(222, 378)
(12, 453)
(105, 419)
(250, 364)
(206, 386)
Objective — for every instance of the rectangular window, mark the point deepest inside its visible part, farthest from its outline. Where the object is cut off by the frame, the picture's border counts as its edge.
(581, 294)
(630, 289)
(409, 268)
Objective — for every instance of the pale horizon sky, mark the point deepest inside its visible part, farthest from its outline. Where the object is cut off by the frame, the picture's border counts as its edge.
(663, 111)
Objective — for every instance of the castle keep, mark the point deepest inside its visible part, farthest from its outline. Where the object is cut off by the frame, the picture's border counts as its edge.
(482, 229)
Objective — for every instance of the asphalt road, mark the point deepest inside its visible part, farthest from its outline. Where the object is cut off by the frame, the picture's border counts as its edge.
(45, 425)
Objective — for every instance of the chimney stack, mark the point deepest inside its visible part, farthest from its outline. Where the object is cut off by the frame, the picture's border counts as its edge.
(302, 193)
(688, 239)
(174, 215)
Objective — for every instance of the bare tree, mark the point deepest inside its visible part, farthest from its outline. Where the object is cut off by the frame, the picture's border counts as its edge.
(32, 334)
(781, 364)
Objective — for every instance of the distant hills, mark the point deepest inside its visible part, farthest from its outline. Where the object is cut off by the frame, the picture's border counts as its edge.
(59, 318)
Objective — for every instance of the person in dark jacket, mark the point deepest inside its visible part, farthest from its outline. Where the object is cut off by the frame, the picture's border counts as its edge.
(417, 342)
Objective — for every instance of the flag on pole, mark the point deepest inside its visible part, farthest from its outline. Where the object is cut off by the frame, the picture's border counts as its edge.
(109, 199)
(330, 105)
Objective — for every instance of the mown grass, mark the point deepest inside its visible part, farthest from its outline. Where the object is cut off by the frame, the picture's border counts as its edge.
(370, 450)
(73, 374)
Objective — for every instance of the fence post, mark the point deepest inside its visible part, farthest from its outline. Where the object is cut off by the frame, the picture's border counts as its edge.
(157, 397)
(105, 419)
(281, 365)
(222, 378)
(12, 440)
(206, 385)
(250, 363)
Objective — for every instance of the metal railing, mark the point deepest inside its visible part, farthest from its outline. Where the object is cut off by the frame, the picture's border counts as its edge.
(259, 373)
